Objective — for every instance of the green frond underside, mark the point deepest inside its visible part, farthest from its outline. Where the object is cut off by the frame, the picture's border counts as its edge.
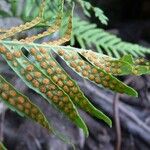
(21, 104)
(45, 75)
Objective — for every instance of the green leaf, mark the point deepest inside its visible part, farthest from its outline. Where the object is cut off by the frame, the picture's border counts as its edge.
(21, 104)
(43, 85)
(86, 6)
(94, 74)
(65, 82)
(111, 65)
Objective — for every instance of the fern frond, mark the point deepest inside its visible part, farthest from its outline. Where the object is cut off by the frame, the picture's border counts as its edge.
(65, 82)
(88, 35)
(64, 38)
(42, 84)
(93, 73)
(86, 6)
(44, 75)
(140, 66)
(21, 104)
(26, 26)
(48, 31)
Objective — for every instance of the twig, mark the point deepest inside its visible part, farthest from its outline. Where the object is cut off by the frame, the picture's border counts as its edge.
(2, 118)
(117, 122)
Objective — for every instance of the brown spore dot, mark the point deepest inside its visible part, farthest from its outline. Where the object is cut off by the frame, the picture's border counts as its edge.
(74, 89)
(46, 81)
(63, 77)
(58, 70)
(61, 104)
(55, 78)
(17, 54)
(49, 71)
(33, 51)
(27, 105)
(97, 80)
(101, 74)
(81, 63)
(2, 49)
(55, 99)
(37, 74)
(21, 100)
(39, 58)
(91, 77)
(70, 106)
(73, 64)
(20, 107)
(53, 63)
(9, 56)
(70, 83)
(65, 99)
(78, 69)
(67, 57)
(76, 99)
(61, 52)
(43, 65)
(34, 110)
(85, 73)
(29, 77)
(59, 93)
(12, 93)
(4, 96)
(105, 83)
(49, 94)
(11, 101)
(75, 57)
(66, 110)
(42, 50)
(87, 67)
(26, 111)
(43, 89)
(107, 69)
(15, 63)
(5, 87)
(30, 68)
(52, 87)
(66, 89)
(107, 77)
(94, 70)
(71, 94)
(60, 83)
(47, 57)
(22, 71)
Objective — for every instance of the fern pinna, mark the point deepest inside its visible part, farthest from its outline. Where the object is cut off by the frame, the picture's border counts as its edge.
(45, 75)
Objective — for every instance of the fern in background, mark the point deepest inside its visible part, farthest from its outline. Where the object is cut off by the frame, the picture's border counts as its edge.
(88, 35)
(41, 72)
